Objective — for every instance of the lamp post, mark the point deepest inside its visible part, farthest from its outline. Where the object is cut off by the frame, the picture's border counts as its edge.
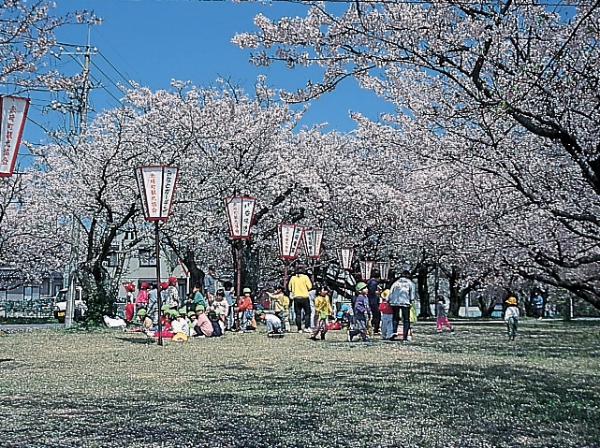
(345, 255)
(12, 121)
(157, 189)
(384, 269)
(312, 240)
(289, 237)
(366, 266)
(240, 213)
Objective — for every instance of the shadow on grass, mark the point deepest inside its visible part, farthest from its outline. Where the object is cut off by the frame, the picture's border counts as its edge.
(137, 340)
(465, 392)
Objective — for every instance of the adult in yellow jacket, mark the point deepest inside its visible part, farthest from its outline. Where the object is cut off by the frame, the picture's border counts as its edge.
(299, 286)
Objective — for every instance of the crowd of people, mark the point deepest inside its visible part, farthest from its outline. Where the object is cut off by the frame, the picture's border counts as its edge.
(211, 312)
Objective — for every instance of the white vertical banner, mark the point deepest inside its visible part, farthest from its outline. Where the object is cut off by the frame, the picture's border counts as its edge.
(365, 269)
(168, 189)
(157, 188)
(312, 242)
(384, 269)
(346, 254)
(12, 121)
(240, 213)
(290, 236)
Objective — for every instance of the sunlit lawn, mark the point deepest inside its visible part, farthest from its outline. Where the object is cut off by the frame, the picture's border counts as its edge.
(472, 389)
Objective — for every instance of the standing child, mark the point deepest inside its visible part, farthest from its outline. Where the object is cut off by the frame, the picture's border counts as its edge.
(441, 317)
(387, 313)
(281, 305)
(511, 317)
(362, 313)
(322, 311)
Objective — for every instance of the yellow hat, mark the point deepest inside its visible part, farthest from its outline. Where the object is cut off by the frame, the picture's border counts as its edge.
(511, 301)
(385, 294)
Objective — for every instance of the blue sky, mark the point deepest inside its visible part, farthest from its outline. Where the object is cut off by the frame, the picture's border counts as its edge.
(154, 41)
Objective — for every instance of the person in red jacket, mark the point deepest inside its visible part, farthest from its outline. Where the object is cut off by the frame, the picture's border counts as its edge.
(244, 310)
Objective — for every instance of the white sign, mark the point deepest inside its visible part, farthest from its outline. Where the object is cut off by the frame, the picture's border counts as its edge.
(157, 188)
(290, 236)
(345, 255)
(312, 242)
(14, 112)
(365, 269)
(240, 211)
(384, 269)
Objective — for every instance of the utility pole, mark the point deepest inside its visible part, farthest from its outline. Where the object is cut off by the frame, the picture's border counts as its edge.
(77, 108)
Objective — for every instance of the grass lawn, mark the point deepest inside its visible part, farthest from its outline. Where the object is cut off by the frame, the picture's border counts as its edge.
(104, 388)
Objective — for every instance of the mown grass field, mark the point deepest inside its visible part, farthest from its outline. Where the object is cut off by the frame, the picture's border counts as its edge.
(106, 388)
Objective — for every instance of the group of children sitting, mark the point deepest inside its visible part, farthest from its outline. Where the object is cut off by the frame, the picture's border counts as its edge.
(179, 325)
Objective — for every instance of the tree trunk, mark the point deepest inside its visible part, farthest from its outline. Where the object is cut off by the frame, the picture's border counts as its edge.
(454, 298)
(423, 289)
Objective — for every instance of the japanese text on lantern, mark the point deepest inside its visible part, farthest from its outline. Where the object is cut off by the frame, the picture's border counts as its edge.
(153, 195)
(8, 136)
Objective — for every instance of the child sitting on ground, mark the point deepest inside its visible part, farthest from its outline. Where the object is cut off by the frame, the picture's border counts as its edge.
(204, 327)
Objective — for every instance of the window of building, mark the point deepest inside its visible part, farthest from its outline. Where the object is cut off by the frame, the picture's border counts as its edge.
(113, 257)
(147, 257)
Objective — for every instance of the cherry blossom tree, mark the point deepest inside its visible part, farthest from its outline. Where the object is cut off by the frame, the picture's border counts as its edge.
(26, 37)
(225, 142)
(508, 87)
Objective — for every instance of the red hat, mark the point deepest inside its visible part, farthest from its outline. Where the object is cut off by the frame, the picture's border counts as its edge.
(144, 286)
(173, 280)
(164, 285)
(129, 287)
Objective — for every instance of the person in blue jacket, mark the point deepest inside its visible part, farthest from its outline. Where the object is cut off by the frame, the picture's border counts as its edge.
(362, 314)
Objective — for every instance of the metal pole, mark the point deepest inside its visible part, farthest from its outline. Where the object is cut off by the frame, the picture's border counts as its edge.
(238, 286)
(285, 273)
(158, 293)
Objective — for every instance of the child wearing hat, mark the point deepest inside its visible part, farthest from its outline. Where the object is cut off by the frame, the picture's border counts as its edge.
(204, 327)
(387, 314)
(281, 306)
(181, 324)
(172, 293)
(511, 317)
(145, 321)
(362, 313)
(244, 310)
(322, 311)
(273, 323)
